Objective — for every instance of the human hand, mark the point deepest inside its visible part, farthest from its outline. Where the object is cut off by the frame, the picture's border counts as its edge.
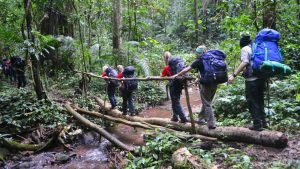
(230, 79)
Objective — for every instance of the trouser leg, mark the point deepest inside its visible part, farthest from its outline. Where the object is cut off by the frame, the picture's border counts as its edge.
(255, 99)
(125, 100)
(131, 103)
(207, 93)
(111, 95)
(175, 92)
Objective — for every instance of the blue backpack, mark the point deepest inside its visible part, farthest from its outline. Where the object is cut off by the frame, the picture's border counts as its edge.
(176, 64)
(112, 73)
(214, 67)
(266, 58)
(130, 85)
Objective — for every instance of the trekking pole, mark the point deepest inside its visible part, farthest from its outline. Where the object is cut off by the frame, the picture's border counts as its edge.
(189, 106)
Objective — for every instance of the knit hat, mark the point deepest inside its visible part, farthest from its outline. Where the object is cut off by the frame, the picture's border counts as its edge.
(245, 40)
(199, 50)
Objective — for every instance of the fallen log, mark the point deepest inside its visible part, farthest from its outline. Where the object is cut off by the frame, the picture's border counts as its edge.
(239, 134)
(98, 129)
(114, 119)
(10, 144)
(144, 125)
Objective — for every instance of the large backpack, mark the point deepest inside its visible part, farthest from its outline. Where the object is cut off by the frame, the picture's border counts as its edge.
(176, 64)
(266, 58)
(130, 85)
(112, 73)
(214, 67)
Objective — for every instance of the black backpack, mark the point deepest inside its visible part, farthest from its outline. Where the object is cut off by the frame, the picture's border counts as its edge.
(130, 85)
(176, 65)
(112, 73)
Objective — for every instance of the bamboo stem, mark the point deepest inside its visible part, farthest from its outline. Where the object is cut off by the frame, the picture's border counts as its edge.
(189, 107)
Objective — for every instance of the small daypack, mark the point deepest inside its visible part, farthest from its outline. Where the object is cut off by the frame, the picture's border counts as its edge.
(266, 58)
(112, 73)
(214, 67)
(130, 85)
(176, 65)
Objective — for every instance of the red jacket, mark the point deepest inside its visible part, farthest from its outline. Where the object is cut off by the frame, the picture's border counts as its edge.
(166, 71)
(103, 74)
(120, 75)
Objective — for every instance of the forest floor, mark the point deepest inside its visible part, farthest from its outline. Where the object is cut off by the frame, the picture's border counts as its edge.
(88, 153)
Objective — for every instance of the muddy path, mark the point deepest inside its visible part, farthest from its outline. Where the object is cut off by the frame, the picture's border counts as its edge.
(133, 136)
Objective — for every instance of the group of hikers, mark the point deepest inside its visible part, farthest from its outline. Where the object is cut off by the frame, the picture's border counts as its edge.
(259, 61)
(13, 68)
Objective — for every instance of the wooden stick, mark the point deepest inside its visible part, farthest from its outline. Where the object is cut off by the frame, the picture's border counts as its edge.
(149, 78)
(189, 107)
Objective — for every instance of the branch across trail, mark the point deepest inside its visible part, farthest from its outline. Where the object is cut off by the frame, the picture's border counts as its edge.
(149, 78)
(239, 134)
(98, 129)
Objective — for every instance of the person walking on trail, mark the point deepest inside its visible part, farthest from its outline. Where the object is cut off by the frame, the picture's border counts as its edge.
(254, 85)
(207, 91)
(19, 66)
(127, 90)
(111, 84)
(174, 66)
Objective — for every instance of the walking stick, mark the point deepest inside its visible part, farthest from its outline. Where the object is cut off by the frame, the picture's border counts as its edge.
(189, 106)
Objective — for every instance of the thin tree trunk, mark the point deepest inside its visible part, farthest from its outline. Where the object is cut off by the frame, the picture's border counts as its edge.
(269, 14)
(255, 15)
(117, 27)
(196, 22)
(38, 86)
(98, 129)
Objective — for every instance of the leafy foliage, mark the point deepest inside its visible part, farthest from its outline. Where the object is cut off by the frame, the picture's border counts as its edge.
(21, 110)
(155, 153)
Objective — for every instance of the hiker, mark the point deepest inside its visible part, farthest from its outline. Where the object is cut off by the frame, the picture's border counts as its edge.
(111, 84)
(127, 90)
(255, 86)
(120, 69)
(208, 81)
(18, 65)
(175, 64)
(7, 68)
(166, 72)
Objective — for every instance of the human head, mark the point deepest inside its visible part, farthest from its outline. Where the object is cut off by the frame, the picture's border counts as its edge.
(104, 68)
(200, 50)
(245, 40)
(167, 56)
(120, 68)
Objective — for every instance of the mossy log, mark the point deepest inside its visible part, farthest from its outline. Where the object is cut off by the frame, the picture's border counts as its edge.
(239, 134)
(11, 144)
(98, 129)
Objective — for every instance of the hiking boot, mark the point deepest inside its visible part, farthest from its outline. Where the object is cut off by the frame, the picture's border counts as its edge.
(124, 113)
(132, 114)
(174, 119)
(256, 128)
(264, 124)
(183, 121)
(201, 121)
(212, 127)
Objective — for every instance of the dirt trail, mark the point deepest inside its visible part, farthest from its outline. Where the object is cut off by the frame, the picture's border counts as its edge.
(132, 136)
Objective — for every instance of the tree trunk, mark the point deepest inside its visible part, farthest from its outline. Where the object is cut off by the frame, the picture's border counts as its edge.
(117, 27)
(98, 129)
(269, 14)
(255, 15)
(37, 83)
(266, 138)
(196, 22)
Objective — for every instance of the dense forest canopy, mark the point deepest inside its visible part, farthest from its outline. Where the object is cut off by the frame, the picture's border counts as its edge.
(60, 39)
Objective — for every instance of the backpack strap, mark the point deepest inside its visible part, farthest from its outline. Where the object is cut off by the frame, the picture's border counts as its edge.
(266, 52)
